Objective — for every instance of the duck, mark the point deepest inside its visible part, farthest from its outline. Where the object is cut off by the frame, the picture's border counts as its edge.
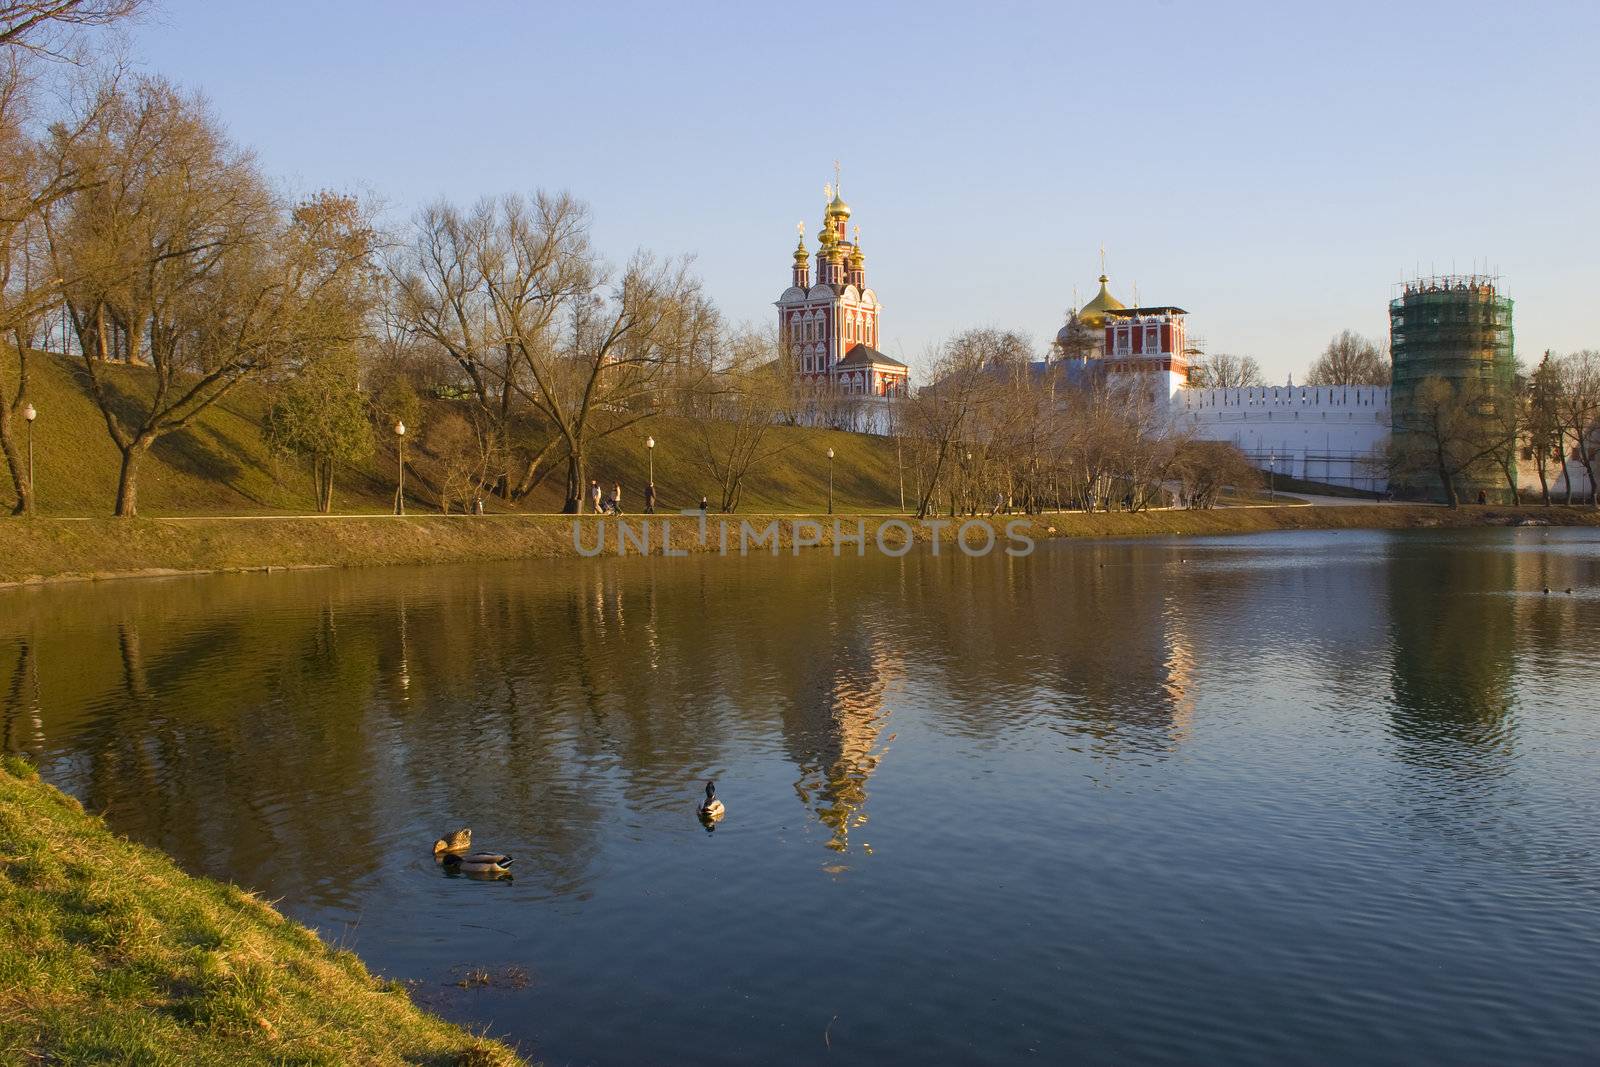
(712, 808)
(452, 844)
(482, 864)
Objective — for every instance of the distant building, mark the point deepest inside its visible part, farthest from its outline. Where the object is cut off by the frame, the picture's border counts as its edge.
(1456, 328)
(1333, 435)
(1114, 341)
(829, 329)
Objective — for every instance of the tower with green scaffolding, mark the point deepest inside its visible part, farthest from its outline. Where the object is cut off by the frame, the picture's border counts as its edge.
(1454, 327)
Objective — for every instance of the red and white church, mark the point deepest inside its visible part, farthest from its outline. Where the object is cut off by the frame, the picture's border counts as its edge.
(830, 329)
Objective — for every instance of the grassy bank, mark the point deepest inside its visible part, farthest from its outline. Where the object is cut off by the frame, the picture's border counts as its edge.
(112, 954)
(44, 549)
(221, 465)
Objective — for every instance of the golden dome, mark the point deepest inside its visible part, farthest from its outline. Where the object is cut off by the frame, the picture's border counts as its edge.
(1093, 313)
(837, 206)
(800, 253)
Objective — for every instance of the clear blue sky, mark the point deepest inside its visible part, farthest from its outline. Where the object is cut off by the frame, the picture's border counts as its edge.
(1274, 168)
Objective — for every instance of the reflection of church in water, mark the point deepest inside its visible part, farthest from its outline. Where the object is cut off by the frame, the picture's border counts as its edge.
(836, 735)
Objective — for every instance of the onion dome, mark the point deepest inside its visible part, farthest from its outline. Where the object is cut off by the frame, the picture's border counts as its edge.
(801, 256)
(1093, 314)
(837, 206)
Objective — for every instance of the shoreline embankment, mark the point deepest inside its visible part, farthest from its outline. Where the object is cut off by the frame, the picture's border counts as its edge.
(43, 550)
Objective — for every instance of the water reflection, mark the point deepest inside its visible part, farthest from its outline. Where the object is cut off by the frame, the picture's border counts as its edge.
(1103, 724)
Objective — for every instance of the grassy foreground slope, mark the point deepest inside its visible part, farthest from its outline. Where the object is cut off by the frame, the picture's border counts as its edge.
(112, 954)
(221, 465)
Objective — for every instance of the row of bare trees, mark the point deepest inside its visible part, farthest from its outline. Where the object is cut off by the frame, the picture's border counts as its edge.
(996, 431)
(497, 330)
(1451, 433)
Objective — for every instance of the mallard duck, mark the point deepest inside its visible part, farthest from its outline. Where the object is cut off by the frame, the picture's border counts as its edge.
(712, 808)
(493, 864)
(457, 842)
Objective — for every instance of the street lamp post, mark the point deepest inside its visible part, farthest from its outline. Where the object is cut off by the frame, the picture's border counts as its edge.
(400, 491)
(29, 413)
(650, 486)
(830, 481)
(966, 488)
(1272, 478)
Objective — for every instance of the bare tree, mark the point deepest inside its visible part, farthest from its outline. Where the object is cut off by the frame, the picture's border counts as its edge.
(1445, 432)
(744, 400)
(483, 286)
(30, 181)
(1204, 468)
(1350, 359)
(1544, 422)
(597, 374)
(1225, 371)
(1577, 407)
(177, 255)
(460, 451)
(41, 25)
(940, 417)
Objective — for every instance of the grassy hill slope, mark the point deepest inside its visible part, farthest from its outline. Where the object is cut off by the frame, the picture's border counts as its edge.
(222, 466)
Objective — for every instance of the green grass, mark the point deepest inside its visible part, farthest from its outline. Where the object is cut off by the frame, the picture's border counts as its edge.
(222, 466)
(112, 954)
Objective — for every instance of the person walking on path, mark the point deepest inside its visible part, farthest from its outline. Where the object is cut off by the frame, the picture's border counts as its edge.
(649, 498)
(616, 499)
(594, 496)
(704, 504)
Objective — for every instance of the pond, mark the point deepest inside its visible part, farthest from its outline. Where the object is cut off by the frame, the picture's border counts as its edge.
(1285, 798)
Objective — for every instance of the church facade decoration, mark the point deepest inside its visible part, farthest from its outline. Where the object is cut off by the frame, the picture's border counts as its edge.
(829, 327)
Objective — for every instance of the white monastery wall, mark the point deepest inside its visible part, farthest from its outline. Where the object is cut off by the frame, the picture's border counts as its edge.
(1327, 434)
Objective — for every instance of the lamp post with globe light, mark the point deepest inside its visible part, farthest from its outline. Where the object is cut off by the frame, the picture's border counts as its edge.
(830, 481)
(400, 491)
(30, 413)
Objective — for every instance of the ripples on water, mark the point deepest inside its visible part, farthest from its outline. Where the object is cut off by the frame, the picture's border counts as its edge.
(1294, 798)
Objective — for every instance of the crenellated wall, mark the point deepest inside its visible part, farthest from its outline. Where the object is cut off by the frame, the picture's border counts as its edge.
(1333, 434)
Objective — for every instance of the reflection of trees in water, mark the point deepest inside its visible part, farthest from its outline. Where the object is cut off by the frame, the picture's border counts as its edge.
(1453, 651)
(234, 720)
(21, 727)
(1101, 653)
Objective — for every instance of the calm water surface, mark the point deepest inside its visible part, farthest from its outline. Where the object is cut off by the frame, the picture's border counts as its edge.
(1301, 798)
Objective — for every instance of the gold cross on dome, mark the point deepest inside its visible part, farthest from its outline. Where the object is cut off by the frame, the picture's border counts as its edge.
(838, 185)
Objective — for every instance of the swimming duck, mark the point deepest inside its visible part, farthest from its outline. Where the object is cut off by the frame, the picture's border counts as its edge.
(457, 842)
(712, 808)
(489, 864)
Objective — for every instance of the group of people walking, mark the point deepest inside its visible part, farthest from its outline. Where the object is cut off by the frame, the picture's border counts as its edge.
(604, 503)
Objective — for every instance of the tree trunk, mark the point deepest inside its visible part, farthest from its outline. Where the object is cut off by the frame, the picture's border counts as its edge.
(1540, 459)
(16, 463)
(576, 488)
(324, 470)
(128, 479)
